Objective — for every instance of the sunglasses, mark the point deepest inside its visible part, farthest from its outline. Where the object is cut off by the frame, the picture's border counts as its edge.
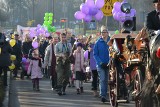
(104, 32)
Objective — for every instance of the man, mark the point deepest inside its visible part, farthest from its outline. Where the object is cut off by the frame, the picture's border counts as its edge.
(62, 52)
(17, 51)
(101, 55)
(153, 18)
(70, 39)
(5, 51)
(50, 60)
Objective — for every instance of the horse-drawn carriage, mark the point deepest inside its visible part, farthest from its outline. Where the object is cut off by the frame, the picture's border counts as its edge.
(129, 56)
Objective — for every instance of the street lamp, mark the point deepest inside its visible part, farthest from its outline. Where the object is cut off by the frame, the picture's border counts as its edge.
(33, 11)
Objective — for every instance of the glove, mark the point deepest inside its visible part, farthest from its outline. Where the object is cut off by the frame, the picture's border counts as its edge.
(104, 66)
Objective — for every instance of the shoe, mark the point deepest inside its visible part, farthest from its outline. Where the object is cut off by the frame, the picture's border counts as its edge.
(59, 93)
(78, 91)
(69, 85)
(103, 99)
(95, 94)
(81, 88)
(63, 93)
(73, 86)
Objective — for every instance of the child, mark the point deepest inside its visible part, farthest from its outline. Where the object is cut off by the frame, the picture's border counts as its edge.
(79, 67)
(35, 69)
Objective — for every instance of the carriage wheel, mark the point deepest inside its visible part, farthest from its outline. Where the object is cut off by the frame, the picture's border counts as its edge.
(138, 86)
(112, 85)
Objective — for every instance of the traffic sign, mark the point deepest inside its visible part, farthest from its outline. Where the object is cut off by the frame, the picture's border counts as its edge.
(108, 6)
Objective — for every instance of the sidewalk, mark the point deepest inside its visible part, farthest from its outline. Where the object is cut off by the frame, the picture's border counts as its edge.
(22, 95)
(7, 90)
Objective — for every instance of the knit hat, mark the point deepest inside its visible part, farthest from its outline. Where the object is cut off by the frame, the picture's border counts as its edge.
(155, 1)
(79, 44)
(103, 28)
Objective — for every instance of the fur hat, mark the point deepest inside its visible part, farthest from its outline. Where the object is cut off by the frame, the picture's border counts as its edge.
(155, 1)
(79, 44)
(103, 28)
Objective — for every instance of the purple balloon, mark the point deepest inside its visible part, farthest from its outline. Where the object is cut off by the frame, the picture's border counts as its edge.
(47, 34)
(84, 8)
(99, 3)
(113, 11)
(39, 26)
(93, 11)
(122, 17)
(99, 15)
(133, 12)
(117, 6)
(24, 59)
(90, 3)
(88, 18)
(31, 35)
(79, 15)
(35, 44)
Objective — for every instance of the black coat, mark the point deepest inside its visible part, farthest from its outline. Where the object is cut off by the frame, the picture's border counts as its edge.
(17, 51)
(26, 47)
(153, 21)
(5, 55)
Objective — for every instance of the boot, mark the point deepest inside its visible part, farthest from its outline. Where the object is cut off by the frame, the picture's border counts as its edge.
(63, 90)
(81, 88)
(73, 84)
(34, 86)
(37, 87)
(59, 90)
(95, 94)
(78, 91)
(69, 84)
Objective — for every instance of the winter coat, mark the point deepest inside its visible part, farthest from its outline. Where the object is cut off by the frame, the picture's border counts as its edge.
(101, 51)
(92, 62)
(18, 53)
(26, 46)
(48, 56)
(34, 69)
(5, 55)
(79, 60)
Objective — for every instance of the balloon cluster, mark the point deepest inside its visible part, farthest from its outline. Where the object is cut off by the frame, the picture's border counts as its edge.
(12, 66)
(123, 11)
(39, 30)
(90, 9)
(48, 18)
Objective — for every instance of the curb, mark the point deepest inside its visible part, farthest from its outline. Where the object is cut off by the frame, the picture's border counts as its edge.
(7, 89)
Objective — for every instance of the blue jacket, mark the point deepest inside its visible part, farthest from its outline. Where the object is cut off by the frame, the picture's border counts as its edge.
(101, 51)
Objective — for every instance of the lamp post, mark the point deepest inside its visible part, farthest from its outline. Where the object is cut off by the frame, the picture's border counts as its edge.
(84, 24)
(33, 12)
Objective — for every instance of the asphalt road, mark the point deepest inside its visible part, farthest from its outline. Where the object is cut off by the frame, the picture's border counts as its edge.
(22, 95)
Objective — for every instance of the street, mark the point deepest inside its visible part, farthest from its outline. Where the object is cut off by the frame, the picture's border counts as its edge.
(22, 95)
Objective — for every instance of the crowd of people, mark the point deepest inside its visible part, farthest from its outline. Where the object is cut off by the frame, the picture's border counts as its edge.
(66, 59)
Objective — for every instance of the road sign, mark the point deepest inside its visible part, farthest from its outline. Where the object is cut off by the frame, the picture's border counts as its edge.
(91, 26)
(108, 6)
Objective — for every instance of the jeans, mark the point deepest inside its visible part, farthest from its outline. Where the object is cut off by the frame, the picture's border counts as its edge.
(103, 81)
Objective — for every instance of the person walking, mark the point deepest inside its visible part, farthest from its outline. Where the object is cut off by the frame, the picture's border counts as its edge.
(79, 67)
(62, 53)
(153, 18)
(35, 69)
(17, 51)
(101, 55)
(5, 51)
(50, 61)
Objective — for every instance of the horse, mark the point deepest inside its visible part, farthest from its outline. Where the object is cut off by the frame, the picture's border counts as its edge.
(150, 93)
